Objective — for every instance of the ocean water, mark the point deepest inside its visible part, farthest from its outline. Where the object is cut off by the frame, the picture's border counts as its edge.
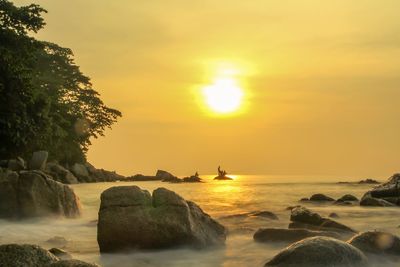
(219, 199)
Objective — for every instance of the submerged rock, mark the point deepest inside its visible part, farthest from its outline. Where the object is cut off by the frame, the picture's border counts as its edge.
(319, 252)
(320, 197)
(288, 235)
(58, 241)
(130, 218)
(304, 216)
(34, 194)
(25, 256)
(369, 181)
(265, 214)
(376, 242)
(223, 178)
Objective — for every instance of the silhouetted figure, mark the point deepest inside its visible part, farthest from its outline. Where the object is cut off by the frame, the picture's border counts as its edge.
(196, 174)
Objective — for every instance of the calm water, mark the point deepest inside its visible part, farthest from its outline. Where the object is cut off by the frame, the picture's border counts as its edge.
(219, 199)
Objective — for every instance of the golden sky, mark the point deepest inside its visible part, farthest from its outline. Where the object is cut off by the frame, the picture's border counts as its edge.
(321, 82)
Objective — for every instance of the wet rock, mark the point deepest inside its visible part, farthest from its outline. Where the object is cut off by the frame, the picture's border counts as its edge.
(73, 263)
(130, 218)
(58, 241)
(60, 253)
(35, 194)
(319, 252)
(292, 207)
(376, 242)
(25, 256)
(375, 202)
(340, 202)
(143, 178)
(288, 235)
(304, 199)
(305, 216)
(320, 197)
(60, 174)
(348, 198)
(38, 160)
(389, 192)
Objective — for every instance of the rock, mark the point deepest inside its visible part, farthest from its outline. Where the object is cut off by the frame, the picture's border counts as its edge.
(288, 235)
(60, 253)
(73, 263)
(223, 178)
(376, 242)
(38, 160)
(101, 175)
(340, 202)
(368, 181)
(141, 177)
(34, 194)
(333, 215)
(305, 216)
(60, 174)
(389, 192)
(292, 207)
(265, 214)
(17, 164)
(304, 199)
(80, 171)
(375, 202)
(319, 252)
(320, 197)
(192, 179)
(165, 176)
(130, 218)
(25, 256)
(58, 241)
(348, 198)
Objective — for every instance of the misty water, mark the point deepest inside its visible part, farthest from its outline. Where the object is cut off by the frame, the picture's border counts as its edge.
(217, 198)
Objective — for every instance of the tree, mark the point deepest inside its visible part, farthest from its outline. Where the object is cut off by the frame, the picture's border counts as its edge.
(45, 100)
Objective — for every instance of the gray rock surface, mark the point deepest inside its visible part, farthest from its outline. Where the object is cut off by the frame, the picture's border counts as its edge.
(377, 242)
(38, 160)
(34, 194)
(60, 253)
(13, 255)
(60, 174)
(130, 218)
(319, 252)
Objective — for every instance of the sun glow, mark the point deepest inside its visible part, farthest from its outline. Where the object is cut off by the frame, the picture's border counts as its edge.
(223, 96)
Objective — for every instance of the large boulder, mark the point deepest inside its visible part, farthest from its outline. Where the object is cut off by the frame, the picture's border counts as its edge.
(130, 218)
(81, 172)
(60, 174)
(319, 252)
(347, 197)
(389, 191)
(38, 160)
(288, 235)
(25, 256)
(33, 194)
(376, 242)
(303, 216)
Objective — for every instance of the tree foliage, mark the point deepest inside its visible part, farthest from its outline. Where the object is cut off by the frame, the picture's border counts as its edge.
(46, 102)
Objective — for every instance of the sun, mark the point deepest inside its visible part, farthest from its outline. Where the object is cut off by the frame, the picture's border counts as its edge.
(224, 96)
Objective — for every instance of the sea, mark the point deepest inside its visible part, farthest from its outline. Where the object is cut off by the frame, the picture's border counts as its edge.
(225, 201)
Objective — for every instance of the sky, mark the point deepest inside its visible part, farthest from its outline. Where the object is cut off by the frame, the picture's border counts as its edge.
(321, 83)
